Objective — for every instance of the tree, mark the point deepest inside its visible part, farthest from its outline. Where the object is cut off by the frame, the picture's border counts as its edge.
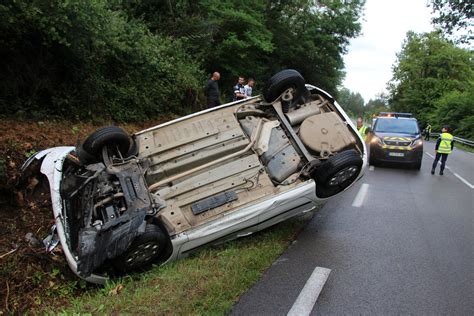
(454, 17)
(88, 58)
(428, 69)
(351, 102)
(82, 59)
(312, 36)
(456, 109)
(377, 105)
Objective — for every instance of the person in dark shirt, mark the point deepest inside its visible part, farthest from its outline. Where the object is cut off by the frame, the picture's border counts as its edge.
(211, 91)
(239, 89)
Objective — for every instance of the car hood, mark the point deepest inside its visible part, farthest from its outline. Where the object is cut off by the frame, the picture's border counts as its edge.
(396, 136)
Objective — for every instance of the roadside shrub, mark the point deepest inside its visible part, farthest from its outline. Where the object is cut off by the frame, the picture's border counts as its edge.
(81, 59)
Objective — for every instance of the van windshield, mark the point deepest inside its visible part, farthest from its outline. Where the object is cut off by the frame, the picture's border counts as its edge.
(393, 125)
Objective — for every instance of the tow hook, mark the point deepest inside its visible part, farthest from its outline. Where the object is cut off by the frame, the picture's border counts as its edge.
(52, 240)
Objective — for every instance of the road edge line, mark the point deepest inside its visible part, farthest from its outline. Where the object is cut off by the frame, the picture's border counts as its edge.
(359, 199)
(463, 180)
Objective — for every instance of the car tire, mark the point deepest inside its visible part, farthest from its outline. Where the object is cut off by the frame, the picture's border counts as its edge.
(417, 165)
(105, 136)
(144, 250)
(337, 173)
(372, 161)
(282, 81)
(84, 157)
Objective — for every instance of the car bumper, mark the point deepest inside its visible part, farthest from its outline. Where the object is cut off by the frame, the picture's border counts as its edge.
(379, 154)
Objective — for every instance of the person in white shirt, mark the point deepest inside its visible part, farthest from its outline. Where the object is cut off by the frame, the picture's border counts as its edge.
(248, 87)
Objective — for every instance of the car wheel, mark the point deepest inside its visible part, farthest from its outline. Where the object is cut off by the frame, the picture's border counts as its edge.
(417, 165)
(144, 250)
(372, 161)
(337, 173)
(282, 81)
(84, 157)
(91, 149)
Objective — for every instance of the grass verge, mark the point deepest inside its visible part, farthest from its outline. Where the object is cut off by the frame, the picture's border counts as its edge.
(464, 147)
(208, 282)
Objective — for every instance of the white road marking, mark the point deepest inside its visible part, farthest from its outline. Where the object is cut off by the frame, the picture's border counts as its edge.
(309, 294)
(455, 174)
(463, 180)
(429, 154)
(439, 162)
(359, 199)
(371, 168)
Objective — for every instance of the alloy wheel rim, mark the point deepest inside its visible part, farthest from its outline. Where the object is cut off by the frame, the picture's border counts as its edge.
(343, 175)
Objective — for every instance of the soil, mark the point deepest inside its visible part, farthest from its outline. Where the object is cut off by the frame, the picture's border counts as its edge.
(29, 277)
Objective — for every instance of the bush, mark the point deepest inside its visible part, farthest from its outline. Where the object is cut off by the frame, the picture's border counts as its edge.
(81, 59)
(456, 109)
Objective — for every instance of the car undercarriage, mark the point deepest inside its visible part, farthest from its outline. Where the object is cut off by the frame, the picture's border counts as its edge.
(126, 201)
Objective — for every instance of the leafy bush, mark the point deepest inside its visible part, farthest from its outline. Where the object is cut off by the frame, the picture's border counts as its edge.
(79, 59)
(456, 109)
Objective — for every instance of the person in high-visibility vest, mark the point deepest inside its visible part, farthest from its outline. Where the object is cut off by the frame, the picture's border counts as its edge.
(427, 131)
(444, 146)
(363, 130)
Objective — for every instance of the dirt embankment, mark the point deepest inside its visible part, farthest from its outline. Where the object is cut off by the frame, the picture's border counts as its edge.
(29, 278)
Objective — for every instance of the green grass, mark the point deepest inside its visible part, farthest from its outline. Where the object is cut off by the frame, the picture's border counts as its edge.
(208, 282)
(464, 147)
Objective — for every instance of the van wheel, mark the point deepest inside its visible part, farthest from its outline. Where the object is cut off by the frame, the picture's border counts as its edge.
(282, 81)
(144, 250)
(372, 161)
(417, 165)
(91, 150)
(337, 173)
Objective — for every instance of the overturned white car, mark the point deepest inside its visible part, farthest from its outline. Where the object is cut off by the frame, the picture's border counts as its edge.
(122, 202)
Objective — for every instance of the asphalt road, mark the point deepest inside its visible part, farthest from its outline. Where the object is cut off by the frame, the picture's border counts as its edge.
(408, 248)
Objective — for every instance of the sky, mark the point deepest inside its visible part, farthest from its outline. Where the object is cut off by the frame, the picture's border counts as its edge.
(371, 55)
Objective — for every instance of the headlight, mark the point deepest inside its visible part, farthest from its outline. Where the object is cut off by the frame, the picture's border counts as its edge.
(417, 143)
(376, 140)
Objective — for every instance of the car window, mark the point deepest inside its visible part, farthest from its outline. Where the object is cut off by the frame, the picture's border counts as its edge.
(396, 126)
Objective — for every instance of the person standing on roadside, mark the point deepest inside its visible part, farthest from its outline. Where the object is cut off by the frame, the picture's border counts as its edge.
(363, 130)
(249, 87)
(427, 131)
(239, 90)
(211, 91)
(444, 146)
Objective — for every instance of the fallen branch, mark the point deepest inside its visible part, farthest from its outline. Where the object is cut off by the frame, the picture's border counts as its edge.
(6, 297)
(10, 252)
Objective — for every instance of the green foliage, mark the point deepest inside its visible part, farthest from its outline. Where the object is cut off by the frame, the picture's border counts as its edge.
(456, 109)
(79, 59)
(430, 78)
(137, 59)
(30, 153)
(312, 38)
(454, 17)
(351, 102)
(377, 105)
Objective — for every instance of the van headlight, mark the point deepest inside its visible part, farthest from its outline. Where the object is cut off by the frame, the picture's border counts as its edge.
(376, 140)
(417, 142)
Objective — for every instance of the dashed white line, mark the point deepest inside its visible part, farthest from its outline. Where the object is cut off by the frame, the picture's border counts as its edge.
(371, 168)
(359, 199)
(309, 294)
